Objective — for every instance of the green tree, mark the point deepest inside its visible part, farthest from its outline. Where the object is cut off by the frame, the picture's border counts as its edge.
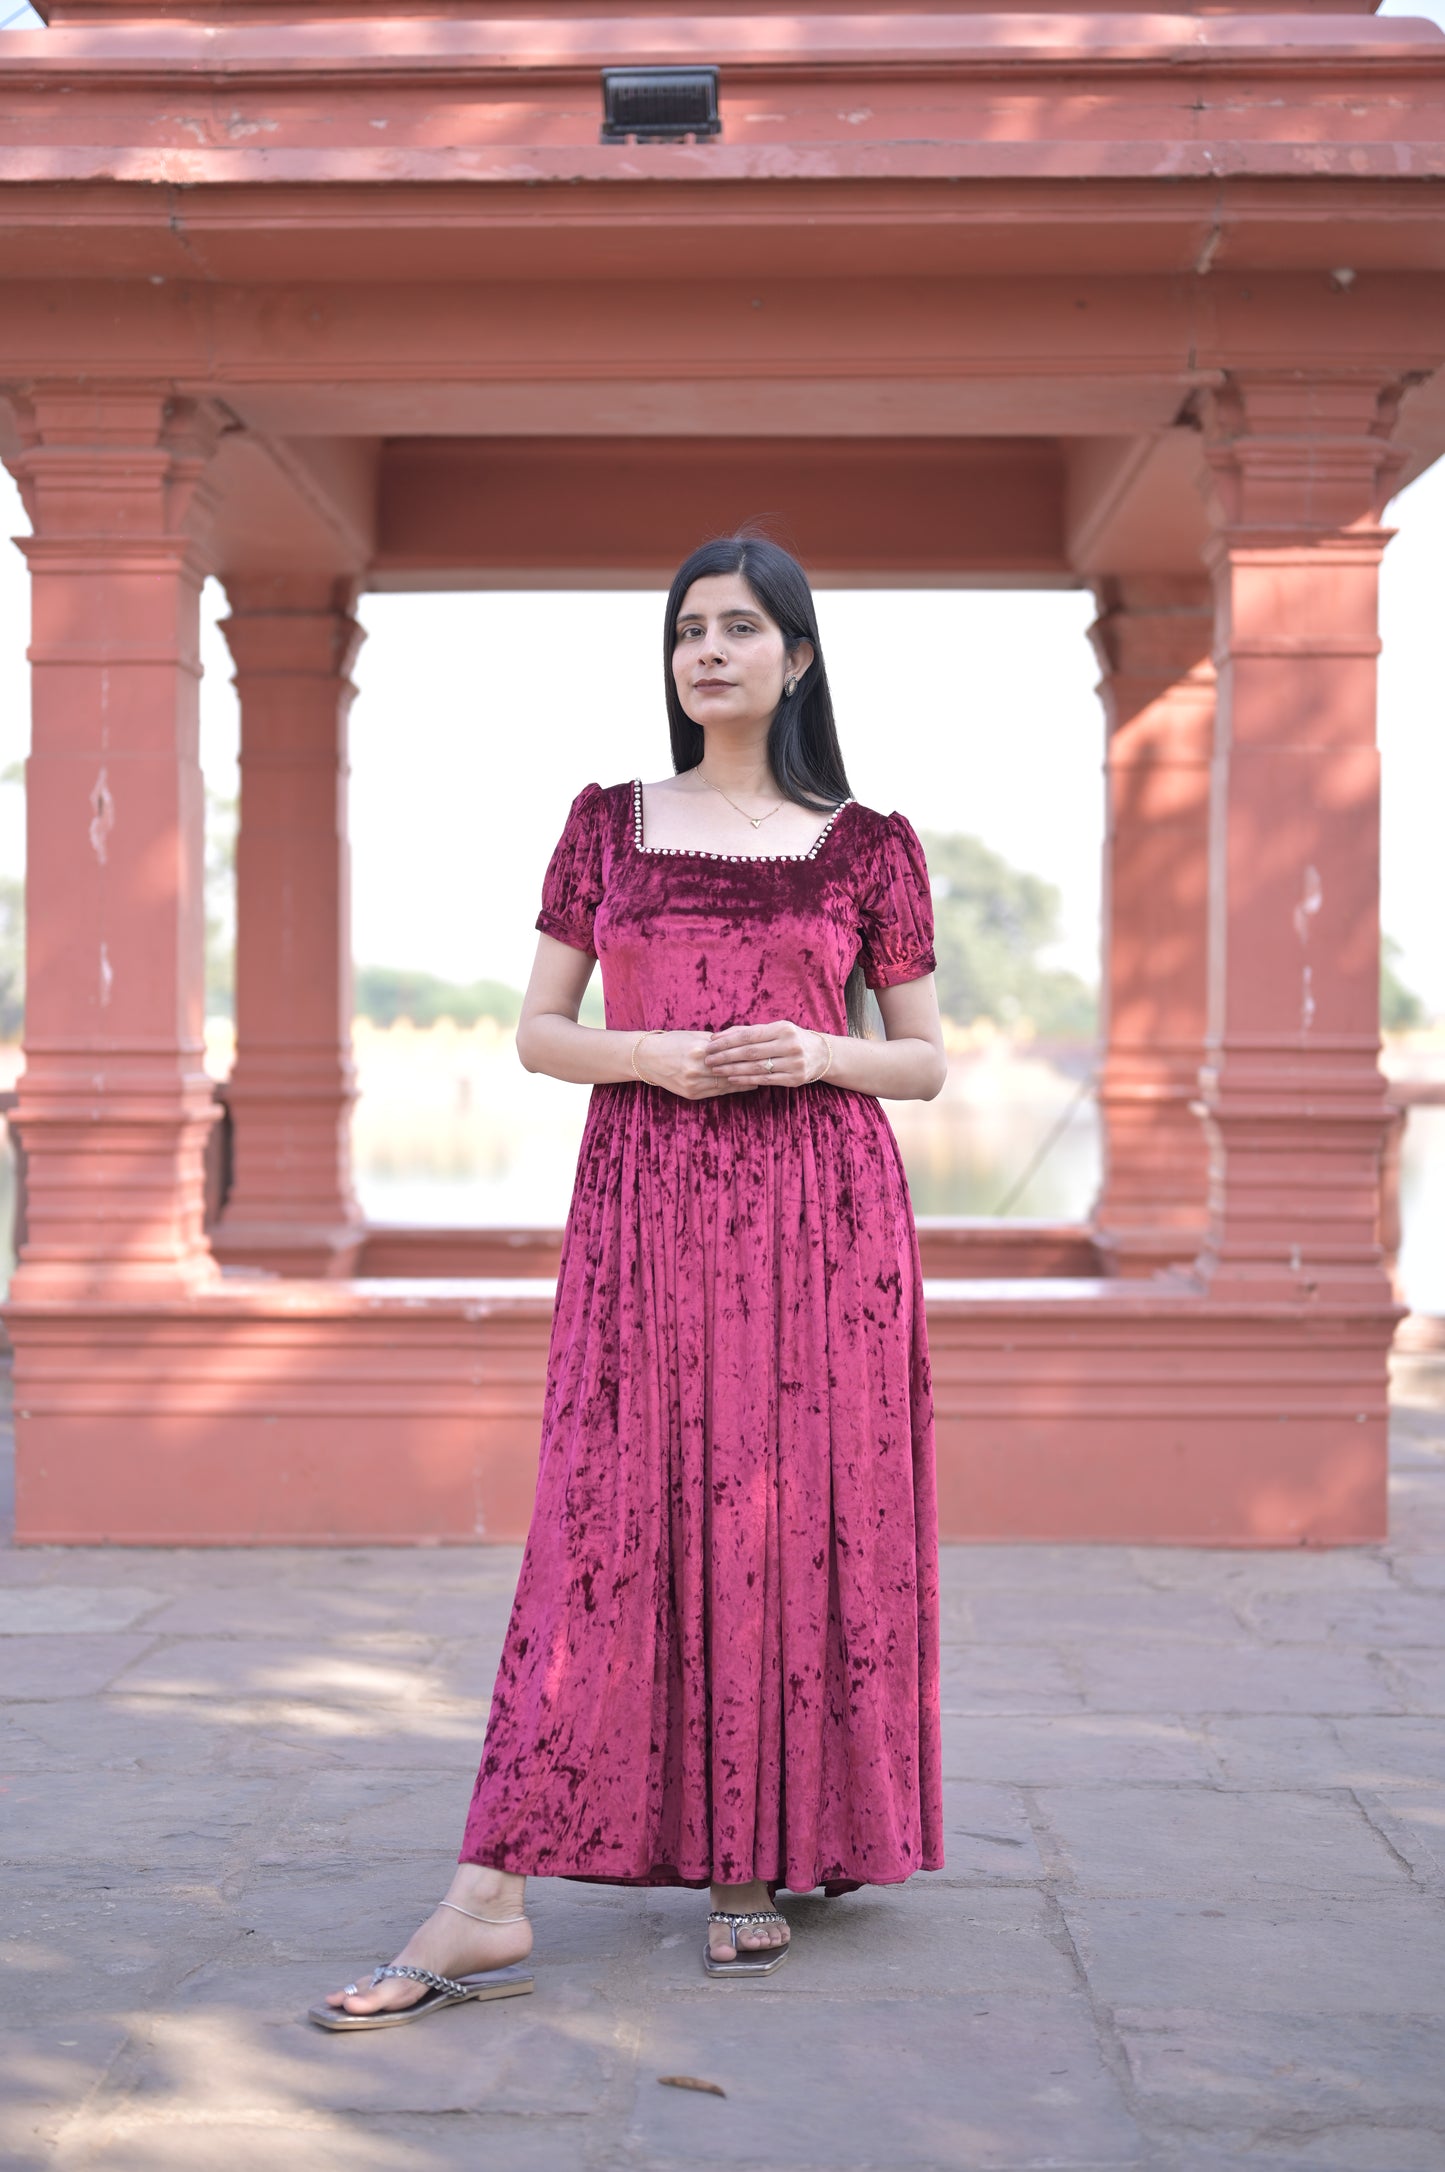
(12, 958)
(221, 818)
(385, 993)
(991, 921)
(12, 936)
(1400, 1007)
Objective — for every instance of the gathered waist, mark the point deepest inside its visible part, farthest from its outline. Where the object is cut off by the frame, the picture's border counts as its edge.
(804, 1025)
(818, 1096)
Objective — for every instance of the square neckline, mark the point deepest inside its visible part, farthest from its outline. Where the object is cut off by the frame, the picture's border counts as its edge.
(699, 852)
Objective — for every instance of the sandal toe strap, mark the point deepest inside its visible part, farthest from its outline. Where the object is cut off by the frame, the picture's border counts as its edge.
(420, 1975)
(755, 1915)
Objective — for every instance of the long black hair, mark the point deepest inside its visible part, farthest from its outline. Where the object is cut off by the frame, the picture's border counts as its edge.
(802, 748)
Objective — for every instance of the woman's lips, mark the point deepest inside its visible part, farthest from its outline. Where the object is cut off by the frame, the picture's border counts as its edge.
(708, 686)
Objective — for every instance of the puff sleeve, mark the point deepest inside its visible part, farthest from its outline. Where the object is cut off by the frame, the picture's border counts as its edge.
(896, 910)
(572, 885)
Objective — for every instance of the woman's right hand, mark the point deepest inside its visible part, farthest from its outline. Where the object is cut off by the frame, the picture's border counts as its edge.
(674, 1060)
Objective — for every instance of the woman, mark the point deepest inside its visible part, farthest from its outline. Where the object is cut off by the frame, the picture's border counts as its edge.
(721, 1667)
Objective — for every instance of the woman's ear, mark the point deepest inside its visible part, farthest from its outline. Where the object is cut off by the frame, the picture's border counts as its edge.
(800, 656)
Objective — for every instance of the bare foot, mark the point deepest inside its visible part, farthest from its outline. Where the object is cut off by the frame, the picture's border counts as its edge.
(752, 1937)
(452, 1944)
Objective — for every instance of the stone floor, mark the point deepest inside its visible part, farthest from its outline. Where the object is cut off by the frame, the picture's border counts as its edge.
(1193, 1916)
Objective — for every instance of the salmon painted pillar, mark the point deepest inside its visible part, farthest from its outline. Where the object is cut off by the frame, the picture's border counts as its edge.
(114, 1104)
(1299, 467)
(291, 1206)
(1153, 637)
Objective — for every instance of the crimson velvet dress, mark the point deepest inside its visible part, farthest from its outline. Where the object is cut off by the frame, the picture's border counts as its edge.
(722, 1660)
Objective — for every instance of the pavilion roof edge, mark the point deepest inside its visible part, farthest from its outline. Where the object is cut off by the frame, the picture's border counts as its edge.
(379, 48)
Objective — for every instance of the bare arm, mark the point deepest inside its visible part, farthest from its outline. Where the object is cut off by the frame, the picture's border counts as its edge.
(909, 1065)
(550, 1039)
(548, 1036)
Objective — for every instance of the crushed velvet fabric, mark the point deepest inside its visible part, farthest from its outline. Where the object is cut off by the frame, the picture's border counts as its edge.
(722, 1660)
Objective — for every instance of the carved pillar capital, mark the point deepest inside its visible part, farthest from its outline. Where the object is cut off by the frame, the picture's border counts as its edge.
(125, 463)
(1298, 456)
(1153, 639)
(294, 624)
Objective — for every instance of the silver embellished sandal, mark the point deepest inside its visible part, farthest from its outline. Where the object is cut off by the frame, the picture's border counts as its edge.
(489, 1983)
(751, 1960)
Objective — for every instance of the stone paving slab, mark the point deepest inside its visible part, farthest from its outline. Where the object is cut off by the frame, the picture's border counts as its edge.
(29, 1610)
(423, 1571)
(1192, 1917)
(1369, 1620)
(327, 2142)
(105, 1945)
(186, 1827)
(1071, 1617)
(1016, 1678)
(1336, 2147)
(48, 2073)
(1048, 1569)
(945, 1942)
(122, 1733)
(1418, 1678)
(1033, 1752)
(1161, 1841)
(1162, 1673)
(326, 1611)
(1345, 1750)
(235, 2041)
(1232, 1575)
(1383, 2066)
(988, 1837)
(1283, 1955)
(66, 1664)
(386, 1670)
(1412, 1822)
(927, 2082)
(407, 1812)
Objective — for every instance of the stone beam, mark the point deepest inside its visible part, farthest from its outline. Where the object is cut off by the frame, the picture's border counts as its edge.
(553, 510)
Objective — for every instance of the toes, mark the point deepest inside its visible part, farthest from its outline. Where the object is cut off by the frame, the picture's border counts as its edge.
(364, 2002)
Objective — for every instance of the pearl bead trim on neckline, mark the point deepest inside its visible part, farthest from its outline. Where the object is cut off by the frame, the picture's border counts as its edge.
(695, 852)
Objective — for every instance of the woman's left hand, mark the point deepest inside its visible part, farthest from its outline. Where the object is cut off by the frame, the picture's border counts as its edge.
(741, 1055)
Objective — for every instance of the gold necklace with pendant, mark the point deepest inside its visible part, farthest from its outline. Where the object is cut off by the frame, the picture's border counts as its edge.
(756, 820)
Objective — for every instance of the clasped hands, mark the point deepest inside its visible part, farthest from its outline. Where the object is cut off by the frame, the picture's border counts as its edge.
(696, 1065)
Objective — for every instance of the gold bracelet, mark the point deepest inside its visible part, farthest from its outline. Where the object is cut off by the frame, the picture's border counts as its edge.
(829, 1064)
(635, 1046)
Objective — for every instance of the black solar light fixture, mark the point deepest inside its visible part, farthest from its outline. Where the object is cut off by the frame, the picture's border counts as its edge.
(659, 105)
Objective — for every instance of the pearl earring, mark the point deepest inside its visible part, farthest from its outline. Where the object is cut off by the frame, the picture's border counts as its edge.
(790, 686)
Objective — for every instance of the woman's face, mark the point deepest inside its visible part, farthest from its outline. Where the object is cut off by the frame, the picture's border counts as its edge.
(730, 659)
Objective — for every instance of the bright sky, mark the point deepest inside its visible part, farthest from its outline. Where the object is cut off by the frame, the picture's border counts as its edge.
(479, 717)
